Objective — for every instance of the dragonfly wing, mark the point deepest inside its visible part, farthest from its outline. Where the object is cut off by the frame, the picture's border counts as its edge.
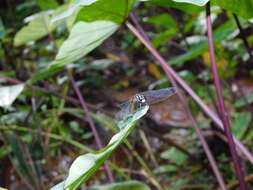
(155, 96)
(125, 110)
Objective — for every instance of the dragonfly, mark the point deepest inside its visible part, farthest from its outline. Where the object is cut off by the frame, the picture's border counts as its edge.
(144, 98)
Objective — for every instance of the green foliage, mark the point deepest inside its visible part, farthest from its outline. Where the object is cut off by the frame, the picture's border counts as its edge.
(243, 101)
(175, 155)
(201, 47)
(188, 8)
(127, 185)
(39, 26)
(168, 27)
(48, 4)
(83, 38)
(241, 122)
(242, 8)
(195, 2)
(8, 94)
(86, 165)
(61, 34)
(94, 25)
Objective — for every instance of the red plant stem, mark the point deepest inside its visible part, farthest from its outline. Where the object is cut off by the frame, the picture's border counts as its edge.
(188, 89)
(223, 112)
(188, 112)
(91, 123)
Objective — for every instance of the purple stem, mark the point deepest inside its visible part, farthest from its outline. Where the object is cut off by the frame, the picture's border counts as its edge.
(223, 112)
(187, 88)
(188, 112)
(91, 123)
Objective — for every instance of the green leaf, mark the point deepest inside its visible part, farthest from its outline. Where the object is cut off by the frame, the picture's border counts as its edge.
(83, 38)
(194, 2)
(127, 185)
(86, 165)
(38, 27)
(165, 20)
(197, 49)
(73, 8)
(48, 4)
(185, 7)
(91, 10)
(164, 37)
(241, 7)
(111, 10)
(8, 94)
(4, 151)
(240, 123)
(2, 29)
(175, 155)
(19, 159)
(242, 102)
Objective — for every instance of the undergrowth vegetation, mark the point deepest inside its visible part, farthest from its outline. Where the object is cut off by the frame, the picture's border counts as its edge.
(126, 94)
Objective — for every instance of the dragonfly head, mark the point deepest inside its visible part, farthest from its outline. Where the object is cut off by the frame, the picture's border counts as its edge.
(140, 99)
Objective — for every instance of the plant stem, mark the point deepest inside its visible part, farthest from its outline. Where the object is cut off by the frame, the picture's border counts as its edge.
(243, 36)
(91, 123)
(187, 88)
(184, 103)
(223, 112)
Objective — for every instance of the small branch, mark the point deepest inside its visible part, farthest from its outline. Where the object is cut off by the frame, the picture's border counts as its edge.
(223, 112)
(91, 123)
(181, 97)
(234, 184)
(243, 36)
(148, 147)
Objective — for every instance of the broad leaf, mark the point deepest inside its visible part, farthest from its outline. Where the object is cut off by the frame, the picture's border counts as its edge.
(194, 2)
(175, 155)
(242, 102)
(38, 27)
(73, 8)
(86, 165)
(243, 8)
(165, 20)
(128, 185)
(112, 10)
(48, 4)
(240, 123)
(83, 38)
(8, 94)
(91, 10)
(186, 7)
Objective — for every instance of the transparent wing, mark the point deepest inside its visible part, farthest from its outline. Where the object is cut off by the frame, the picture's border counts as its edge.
(125, 109)
(155, 96)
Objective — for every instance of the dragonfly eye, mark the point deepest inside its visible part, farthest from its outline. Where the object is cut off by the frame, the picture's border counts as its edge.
(140, 98)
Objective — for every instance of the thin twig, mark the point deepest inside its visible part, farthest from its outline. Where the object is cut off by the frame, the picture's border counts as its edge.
(223, 111)
(91, 123)
(148, 147)
(183, 101)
